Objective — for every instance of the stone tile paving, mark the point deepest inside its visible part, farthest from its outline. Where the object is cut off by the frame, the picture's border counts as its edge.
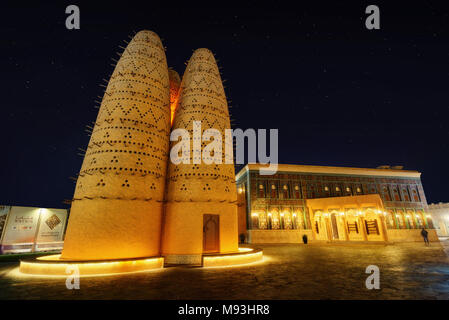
(407, 271)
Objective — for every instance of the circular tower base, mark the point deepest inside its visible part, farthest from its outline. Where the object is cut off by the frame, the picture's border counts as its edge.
(52, 265)
(242, 256)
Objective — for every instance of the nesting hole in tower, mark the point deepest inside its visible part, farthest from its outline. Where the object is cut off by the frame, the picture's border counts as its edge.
(101, 183)
(206, 187)
(125, 184)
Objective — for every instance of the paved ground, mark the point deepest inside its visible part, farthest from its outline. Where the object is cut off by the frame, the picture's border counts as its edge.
(407, 271)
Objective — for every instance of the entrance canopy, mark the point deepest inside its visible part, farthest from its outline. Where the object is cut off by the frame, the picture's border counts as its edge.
(351, 218)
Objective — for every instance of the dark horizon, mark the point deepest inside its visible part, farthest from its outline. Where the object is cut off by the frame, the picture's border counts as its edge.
(340, 95)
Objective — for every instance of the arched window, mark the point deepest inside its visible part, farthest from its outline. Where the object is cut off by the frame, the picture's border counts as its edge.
(405, 194)
(396, 194)
(285, 191)
(297, 193)
(415, 195)
(261, 190)
(400, 219)
(391, 223)
(294, 221)
(386, 193)
(273, 191)
(419, 220)
(409, 219)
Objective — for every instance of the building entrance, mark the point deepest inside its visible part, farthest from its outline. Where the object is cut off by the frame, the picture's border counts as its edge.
(211, 233)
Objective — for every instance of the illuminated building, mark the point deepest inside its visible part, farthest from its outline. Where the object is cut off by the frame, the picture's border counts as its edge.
(331, 204)
(440, 215)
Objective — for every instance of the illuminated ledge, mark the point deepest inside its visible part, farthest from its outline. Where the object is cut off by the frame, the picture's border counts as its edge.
(53, 265)
(244, 256)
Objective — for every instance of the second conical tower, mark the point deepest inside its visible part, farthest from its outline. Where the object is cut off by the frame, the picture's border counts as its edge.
(201, 209)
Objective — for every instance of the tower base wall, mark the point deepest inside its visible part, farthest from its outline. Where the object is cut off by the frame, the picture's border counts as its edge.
(113, 229)
(183, 230)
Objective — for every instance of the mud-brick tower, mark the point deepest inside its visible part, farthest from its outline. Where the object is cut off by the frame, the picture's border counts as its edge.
(117, 206)
(201, 209)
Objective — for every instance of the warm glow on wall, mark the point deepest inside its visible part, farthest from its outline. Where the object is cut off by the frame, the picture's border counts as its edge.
(175, 82)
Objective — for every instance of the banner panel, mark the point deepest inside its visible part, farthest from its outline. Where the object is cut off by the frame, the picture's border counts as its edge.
(4, 210)
(21, 225)
(51, 226)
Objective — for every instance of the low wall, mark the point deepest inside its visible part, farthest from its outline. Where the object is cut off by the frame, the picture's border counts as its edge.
(410, 235)
(278, 236)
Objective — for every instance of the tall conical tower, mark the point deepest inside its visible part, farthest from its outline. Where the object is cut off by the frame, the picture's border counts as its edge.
(117, 206)
(201, 209)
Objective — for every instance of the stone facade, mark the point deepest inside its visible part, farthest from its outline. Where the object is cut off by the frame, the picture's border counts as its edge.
(282, 201)
(117, 206)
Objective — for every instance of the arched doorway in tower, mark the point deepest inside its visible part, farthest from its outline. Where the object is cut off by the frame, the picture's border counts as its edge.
(211, 233)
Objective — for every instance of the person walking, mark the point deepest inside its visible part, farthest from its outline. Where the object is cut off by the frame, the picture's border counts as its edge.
(304, 239)
(425, 234)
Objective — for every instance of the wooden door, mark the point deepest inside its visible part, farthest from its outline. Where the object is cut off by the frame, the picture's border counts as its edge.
(211, 233)
(334, 227)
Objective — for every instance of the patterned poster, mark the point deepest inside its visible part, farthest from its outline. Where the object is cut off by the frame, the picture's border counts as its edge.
(52, 224)
(21, 226)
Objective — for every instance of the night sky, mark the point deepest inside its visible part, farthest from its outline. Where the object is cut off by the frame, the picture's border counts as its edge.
(339, 94)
